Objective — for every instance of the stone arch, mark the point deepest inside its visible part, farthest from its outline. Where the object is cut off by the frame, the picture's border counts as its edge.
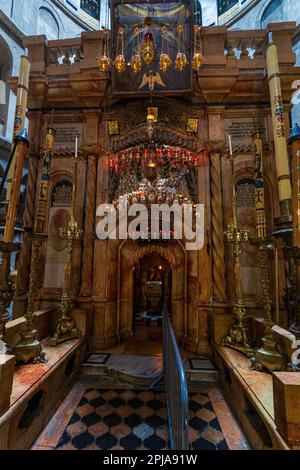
(269, 14)
(48, 24)
(139, 251)
(129, 253)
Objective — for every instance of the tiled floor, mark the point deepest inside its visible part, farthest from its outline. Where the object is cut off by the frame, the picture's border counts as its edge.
(109, 418)
(136, 419)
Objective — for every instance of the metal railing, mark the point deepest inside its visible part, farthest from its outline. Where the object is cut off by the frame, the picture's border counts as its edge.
(176, 388)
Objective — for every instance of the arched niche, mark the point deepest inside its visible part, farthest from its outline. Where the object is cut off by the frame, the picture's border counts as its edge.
(274, 13)
(58, 216)
(48, 24)
(129, 253)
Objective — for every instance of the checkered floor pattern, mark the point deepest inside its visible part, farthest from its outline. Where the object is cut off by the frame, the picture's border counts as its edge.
(136, 419)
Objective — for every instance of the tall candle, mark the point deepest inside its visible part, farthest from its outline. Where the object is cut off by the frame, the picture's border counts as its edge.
(230, 144)
(76, 146)
(280, 145)
(42, 203)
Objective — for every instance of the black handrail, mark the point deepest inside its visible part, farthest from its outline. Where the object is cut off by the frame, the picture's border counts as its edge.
(176, 388)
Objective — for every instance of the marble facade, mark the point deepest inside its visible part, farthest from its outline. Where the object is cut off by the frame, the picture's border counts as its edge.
(102, 276)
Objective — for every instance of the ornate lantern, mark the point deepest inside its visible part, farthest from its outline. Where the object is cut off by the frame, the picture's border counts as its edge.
(165, 60)
(197, 57)
(104, 60)
(148, 48)
(136, 61)
(120, 63)
(181, 60)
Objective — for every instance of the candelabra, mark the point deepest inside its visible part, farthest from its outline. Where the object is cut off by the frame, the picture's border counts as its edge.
(29, 348)
(269, 355)
(293, 257)
(6, 289)
(66, 328)
(236, 337)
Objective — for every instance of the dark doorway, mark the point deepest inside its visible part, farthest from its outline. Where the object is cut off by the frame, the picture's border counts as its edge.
(152, 290)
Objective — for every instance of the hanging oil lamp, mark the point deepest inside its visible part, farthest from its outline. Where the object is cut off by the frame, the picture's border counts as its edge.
(104, 60)
(136, 61)
(120, 63)
(148, 46)
(197, 57)
(165, 60)
(181, 60)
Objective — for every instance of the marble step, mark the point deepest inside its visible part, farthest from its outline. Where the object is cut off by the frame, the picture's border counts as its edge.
(137, 370)
(200, 370)
(144, 370)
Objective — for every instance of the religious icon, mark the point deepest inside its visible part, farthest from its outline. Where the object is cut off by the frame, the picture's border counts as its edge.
(192, 125)
(113, 127)
(153, 112)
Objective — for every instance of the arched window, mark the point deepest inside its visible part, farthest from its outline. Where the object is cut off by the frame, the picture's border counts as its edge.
(6, 63)
(197, 12)
(47, 24)
(274, 12)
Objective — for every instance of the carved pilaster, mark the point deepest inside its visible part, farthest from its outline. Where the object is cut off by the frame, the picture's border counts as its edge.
(25, 255)
(22, 285)
(89, 226)
(219, 279)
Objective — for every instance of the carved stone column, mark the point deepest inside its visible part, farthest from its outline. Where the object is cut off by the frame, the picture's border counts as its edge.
(28, 221)
(218, 258)
(89, 221)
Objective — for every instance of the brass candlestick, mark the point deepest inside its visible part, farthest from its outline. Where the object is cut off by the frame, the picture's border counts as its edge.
(6, 290)
(293, 255)
(268, 356)
(237, 338)
(29, 348)
(66, 328)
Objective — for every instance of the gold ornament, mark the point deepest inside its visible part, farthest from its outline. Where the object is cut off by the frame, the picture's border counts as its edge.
(136, 63)
(197, 61)
(148, 48)
(104, 63)
(180, 61)
(120, 63)
(164, 62)
(104, 60)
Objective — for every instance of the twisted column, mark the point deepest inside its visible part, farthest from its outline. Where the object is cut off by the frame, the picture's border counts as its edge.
(89, 227)
(25, 255)
(219, 280)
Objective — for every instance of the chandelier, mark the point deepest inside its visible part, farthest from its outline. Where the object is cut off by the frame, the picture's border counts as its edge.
(150, 42)
(151, 191)
(155, 156)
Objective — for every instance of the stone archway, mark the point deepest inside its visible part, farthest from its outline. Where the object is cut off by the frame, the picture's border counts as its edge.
(129, 253)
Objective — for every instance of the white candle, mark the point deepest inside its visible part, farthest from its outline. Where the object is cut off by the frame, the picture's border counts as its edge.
(230, 144)
(76, 146)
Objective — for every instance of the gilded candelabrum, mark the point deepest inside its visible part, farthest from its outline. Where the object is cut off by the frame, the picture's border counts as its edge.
(6, 287)
(293, 256)
(66, 328)
(29, 348)
(268, 356)
(236, 337)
